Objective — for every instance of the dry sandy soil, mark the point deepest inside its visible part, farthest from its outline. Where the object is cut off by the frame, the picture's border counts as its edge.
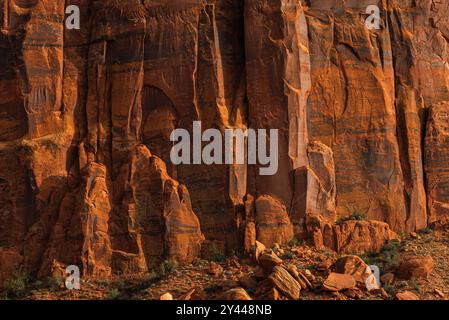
(208, 280)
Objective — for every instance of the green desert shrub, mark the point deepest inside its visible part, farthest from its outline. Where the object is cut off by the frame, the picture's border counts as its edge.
(17, 286)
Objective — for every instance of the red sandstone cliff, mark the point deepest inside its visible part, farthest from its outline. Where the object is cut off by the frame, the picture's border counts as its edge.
(86, 115)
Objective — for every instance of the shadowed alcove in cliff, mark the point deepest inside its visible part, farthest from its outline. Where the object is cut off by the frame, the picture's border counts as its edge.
(5, 210)
(159, 119)
(13, 118)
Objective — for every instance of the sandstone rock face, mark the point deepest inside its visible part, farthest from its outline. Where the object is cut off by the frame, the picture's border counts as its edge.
(436, 155)
(11, 261)
(349, 237)
(86, 117)
(273, 223)
(315, 188)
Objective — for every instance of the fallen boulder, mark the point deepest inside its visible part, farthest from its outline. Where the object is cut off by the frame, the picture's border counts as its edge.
(338, 282)
(285, 283)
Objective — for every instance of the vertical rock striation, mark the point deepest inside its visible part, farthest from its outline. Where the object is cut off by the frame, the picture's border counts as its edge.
(86, 117)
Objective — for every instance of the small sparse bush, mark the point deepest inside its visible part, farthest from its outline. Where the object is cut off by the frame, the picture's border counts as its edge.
(426, 231)
(55, 283)
(294, 242)
(38, 284)
(200, 263)
(16, 287)
(388, 258)
(216, 254)
(102, 283)
(288, 255)
(329, 253)
(167, 267)
(153, 278)
(388, 289)
(414, 285)
(158, 274)
(114, 294)
(356, 216)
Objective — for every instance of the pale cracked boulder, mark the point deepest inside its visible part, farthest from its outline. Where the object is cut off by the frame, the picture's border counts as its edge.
(166, 297)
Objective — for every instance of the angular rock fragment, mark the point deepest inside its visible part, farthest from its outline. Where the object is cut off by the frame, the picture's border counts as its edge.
(236, 294)
(299, 277)
(354, 266)
(338, 282)
(285, 283)
(259, 249)
(268, 261)
(406, 295)
(166, 297)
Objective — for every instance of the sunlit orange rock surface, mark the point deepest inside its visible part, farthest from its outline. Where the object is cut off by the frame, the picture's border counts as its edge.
(86, 116)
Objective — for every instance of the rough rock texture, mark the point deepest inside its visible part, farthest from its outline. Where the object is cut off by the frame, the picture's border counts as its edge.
(415, 267)
(273, 223)
(86, 115)
(285, 282)
(406, 295)
(436, 164)
(238, 294)
(337, 282)
(354, 266)
(348, 237)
